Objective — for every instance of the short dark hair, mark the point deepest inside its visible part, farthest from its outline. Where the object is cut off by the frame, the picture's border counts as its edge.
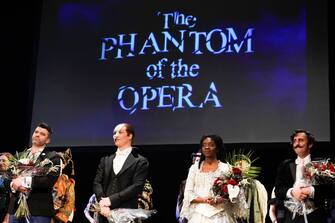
(310, 136)
(130, 130)
(45, 126)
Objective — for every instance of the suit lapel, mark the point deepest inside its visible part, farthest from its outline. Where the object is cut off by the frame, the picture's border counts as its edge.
(42, 156)
(109, 167)
(293, 168)
(129, 161)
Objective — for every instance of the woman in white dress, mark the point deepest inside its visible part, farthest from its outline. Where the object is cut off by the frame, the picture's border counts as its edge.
(199, 206)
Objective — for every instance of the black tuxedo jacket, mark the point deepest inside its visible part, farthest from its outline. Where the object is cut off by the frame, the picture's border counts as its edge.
(285, 179)
(122, 188)
(40, 201)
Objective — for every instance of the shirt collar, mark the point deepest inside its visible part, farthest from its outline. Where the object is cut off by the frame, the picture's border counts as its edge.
(37, 154)
(123, 152)
(39, 150)
(305, 160)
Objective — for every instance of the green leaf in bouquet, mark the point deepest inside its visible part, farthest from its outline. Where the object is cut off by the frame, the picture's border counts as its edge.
(244, 161)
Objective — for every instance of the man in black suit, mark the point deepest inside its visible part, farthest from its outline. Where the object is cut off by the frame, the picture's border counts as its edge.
(121, 176)
(38, 188)
(291, 184)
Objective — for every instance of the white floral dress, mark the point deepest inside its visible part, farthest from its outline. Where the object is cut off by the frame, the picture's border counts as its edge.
(198, 184)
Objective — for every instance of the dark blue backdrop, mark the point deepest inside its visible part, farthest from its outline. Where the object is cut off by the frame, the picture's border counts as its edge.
(20, 30)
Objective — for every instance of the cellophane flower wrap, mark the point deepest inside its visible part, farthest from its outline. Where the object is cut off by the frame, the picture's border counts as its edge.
(124, 215)
(233, 186)
(22, 165)
(315, 173)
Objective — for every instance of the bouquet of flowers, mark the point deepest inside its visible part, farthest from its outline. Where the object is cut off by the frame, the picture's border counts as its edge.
(124, 215)
(320, 172)
(232, 187)
(228, 186)
(22, 165)
(315, 173)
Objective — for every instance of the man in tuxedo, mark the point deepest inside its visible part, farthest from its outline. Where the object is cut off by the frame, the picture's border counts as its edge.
(291, 184)
(38, 188)
(120, 177)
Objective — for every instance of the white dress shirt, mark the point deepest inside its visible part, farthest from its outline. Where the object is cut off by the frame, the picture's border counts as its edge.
(299, 176)
(300, 169)
(120, 158)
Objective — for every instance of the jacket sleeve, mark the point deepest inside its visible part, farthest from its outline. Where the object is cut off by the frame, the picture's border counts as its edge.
(98, 180)
(284, 180)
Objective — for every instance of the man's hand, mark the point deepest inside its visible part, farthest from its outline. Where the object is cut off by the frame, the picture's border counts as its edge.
(301, 193)
(307, 190)
(105, 202)
(16, 183)
(23, 189)
(105, 211)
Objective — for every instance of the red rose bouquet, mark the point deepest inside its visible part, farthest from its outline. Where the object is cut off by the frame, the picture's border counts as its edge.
(227, 187)
(320, 172)
(233, 186)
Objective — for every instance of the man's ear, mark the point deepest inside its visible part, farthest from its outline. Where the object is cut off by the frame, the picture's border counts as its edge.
(48, 141)
(310, 146)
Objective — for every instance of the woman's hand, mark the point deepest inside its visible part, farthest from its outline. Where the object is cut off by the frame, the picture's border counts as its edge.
(214, 200)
